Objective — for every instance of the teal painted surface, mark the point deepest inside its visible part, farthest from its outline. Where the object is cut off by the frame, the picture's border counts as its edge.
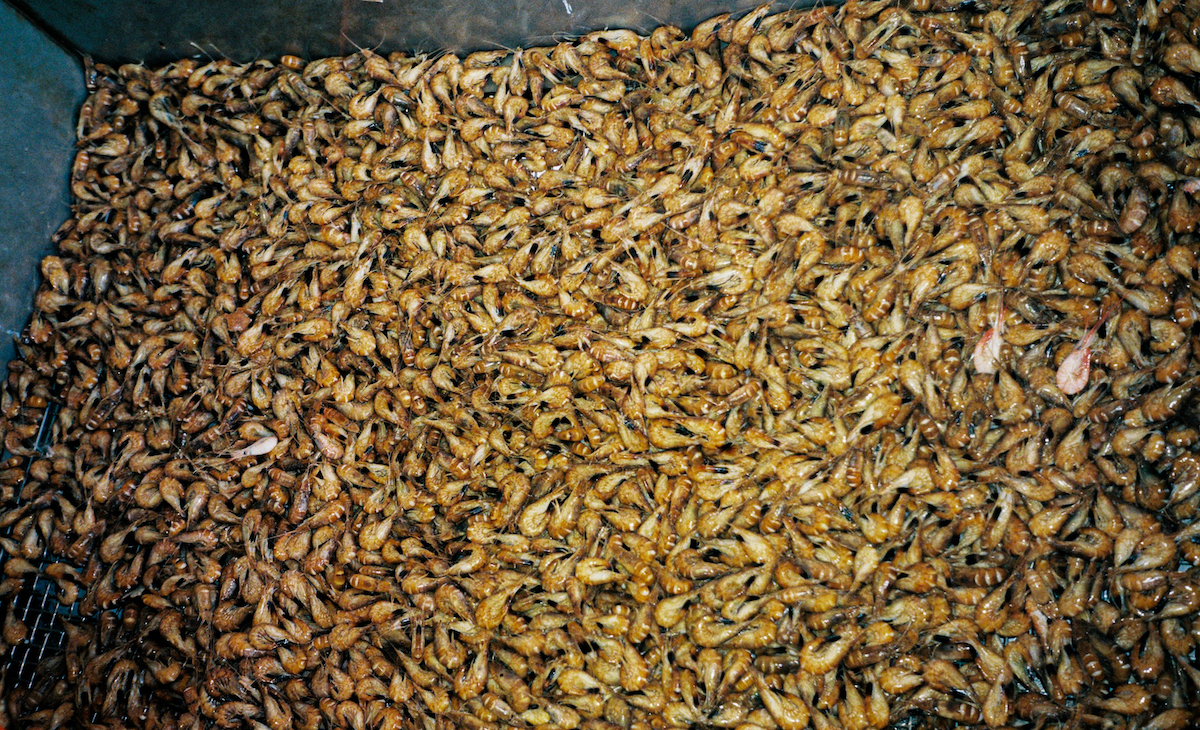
(42, 88)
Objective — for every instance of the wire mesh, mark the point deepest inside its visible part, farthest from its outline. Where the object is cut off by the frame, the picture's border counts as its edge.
(38, 608)
(36, 604)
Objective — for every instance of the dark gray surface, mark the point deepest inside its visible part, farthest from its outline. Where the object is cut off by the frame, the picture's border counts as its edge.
(42, 88)
(157, 31)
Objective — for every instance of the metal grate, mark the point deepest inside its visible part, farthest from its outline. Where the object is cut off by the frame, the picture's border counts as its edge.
(36, 604)
(38, 608)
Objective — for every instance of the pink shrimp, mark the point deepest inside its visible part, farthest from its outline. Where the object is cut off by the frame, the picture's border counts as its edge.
(987, 351)
(1072, 375)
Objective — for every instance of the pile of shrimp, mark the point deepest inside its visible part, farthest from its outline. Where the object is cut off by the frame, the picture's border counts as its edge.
(834, 367)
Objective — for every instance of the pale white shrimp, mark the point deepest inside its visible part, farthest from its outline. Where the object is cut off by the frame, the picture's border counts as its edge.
(260, 447)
